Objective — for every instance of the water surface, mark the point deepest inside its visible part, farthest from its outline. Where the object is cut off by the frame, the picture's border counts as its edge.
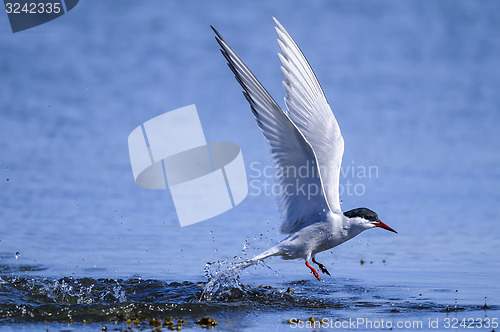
(414, 86)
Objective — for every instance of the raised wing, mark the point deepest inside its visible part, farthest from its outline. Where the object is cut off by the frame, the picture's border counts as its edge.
(309, 111)
(301, 199)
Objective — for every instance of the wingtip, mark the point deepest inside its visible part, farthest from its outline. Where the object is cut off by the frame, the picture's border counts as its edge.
(282, 59)
(216, 32)
(278, 24)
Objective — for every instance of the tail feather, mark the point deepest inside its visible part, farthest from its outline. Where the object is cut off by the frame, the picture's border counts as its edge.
(273, 251)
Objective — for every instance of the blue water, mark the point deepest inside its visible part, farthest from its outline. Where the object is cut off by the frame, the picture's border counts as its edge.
(413, 84)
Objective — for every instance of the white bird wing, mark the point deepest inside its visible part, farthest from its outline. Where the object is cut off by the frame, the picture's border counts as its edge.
(311, 114)
(301, 198)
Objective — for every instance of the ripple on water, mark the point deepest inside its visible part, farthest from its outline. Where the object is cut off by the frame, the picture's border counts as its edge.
(36, 299)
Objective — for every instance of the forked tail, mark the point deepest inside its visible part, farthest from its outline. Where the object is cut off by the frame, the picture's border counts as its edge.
(274, 251)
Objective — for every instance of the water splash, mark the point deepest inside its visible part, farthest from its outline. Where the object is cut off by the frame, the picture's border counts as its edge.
(223, 280)
(40, 300)
(69, 290)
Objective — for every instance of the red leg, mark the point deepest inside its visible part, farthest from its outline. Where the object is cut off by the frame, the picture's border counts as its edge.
(321, 266)
(313, 271)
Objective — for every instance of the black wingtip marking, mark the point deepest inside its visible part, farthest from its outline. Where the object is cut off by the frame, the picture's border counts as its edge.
(220, 42)
(216, 32)
(228, 54)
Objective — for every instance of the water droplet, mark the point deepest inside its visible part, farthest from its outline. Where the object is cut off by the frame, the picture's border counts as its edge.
(246, 245)
(18, 254)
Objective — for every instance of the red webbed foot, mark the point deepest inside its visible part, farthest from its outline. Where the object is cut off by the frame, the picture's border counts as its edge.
(313, 271)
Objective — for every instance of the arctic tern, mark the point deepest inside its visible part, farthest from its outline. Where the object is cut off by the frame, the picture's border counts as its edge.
(307, 135)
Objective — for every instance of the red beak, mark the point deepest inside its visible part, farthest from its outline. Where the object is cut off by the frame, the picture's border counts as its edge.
(384, 226)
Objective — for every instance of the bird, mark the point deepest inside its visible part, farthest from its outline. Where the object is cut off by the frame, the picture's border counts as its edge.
(305, 137)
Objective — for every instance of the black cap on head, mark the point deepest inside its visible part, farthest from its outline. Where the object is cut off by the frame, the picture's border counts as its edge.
(362, 213)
